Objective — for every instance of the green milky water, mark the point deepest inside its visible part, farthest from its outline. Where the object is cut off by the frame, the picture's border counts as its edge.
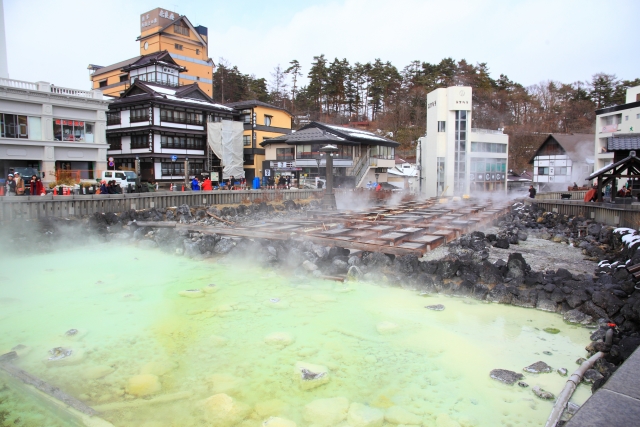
(125, 303)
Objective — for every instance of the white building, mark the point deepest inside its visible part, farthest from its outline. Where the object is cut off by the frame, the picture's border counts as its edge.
(563, 160)
(454, 158)
(49, 129)
(617, 129)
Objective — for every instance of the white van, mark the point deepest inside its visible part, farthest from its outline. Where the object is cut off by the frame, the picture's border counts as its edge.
(118, 176)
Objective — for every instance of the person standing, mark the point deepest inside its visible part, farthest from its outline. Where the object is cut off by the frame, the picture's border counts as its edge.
(10, 186)
(207, 185)
(19, 184)
(36, 186)
(195, 184)
(532, 192)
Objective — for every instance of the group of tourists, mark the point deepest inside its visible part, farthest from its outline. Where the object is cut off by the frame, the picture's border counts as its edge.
(110, 187)
(15, 185)
(232, 183)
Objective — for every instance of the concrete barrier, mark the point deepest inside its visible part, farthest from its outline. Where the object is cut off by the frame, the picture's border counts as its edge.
(34, 207)
(615, 215)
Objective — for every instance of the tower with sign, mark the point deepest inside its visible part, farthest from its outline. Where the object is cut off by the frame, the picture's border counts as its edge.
(455, 158)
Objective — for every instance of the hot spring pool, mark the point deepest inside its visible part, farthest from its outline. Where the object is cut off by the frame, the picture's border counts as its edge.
(137, 335)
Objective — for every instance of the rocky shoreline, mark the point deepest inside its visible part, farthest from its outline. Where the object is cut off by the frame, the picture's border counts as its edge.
(608, 298)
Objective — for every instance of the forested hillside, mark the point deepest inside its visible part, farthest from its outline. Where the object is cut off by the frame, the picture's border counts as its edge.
(394, 100)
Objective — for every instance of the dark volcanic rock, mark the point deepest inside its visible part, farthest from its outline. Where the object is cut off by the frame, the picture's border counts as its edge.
(502, 243)
(506, 376)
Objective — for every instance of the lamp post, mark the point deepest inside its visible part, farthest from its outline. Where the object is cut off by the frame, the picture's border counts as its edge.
(329, 199)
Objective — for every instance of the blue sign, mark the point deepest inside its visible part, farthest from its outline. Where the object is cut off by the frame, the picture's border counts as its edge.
(174, 158)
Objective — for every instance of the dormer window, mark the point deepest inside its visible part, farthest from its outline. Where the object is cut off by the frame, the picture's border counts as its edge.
(178, 28)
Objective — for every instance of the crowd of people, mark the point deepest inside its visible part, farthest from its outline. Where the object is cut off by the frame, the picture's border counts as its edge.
(198, 183)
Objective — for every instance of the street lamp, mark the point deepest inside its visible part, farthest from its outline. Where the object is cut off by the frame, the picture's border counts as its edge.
(329, 199)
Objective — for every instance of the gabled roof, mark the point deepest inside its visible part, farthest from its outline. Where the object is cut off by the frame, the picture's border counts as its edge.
(189, 94)
(578, 146)
(115, 66)
(320, 133)
(239, 105)
(162, 57)
(631, 163)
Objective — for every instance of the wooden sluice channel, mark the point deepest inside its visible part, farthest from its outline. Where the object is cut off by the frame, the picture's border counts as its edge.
(408, 228)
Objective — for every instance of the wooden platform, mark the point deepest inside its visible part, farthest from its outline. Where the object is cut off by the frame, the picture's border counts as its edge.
(408, 228)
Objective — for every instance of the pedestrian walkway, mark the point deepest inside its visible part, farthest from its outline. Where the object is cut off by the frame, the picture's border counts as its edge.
(617, 403)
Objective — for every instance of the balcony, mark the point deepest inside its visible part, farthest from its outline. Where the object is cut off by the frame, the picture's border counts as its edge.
(138, 119)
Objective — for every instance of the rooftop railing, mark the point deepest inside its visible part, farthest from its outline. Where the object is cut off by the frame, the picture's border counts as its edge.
(491, 131)
(48, 87)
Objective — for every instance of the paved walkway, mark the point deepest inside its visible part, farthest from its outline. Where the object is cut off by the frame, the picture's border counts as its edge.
(617, 403)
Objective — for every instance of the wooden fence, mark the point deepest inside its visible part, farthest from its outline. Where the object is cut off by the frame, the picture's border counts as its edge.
(34, 207)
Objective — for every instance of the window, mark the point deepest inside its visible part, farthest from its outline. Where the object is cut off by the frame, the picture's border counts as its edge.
(72, 130)
(14, 126)
(102, 83)
(488, 147)
(381, 152)
(246, 118)
(626, 118)
(174, 116)
(441, 126)
(115, 143)
(173, 168)
(460, 162)
(284, 154)
(267, 120)
(543, 171)
(561, 171)
(246, 140)
(182, 142)
(113, 118)
(197, 51)
(139, 115)
(440, 174)
(124, 78)
(140, 141)
(181, 29)
(637, 116)
(178, 46)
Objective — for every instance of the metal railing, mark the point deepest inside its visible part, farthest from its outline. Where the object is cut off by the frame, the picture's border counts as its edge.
(35, 207)
(361, 167)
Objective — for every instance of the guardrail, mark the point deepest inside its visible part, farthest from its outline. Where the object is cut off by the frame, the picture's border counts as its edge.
(35, 207)
(556, 195)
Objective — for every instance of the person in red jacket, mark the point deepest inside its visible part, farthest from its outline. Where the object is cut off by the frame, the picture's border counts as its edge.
(206, 185)
(36, 186)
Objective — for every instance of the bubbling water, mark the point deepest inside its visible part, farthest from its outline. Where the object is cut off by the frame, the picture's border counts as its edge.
(274, 344)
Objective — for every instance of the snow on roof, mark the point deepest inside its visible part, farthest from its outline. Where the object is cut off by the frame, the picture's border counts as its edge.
(196, 101)
(163, 90)
(356, 132)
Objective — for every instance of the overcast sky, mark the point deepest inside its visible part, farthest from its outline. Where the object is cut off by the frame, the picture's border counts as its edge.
(528, 40)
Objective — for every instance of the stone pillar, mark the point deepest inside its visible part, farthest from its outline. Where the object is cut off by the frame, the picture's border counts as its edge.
(329, 199)
(186, 174)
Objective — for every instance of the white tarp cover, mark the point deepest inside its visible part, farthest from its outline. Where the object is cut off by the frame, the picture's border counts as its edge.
(225, 140)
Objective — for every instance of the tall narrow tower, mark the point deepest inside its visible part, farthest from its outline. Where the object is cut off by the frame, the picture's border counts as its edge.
(4, 68)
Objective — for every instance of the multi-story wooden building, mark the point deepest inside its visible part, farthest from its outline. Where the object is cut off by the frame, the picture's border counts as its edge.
(162, 30)
(162, 124)
(262, 122)
(362, 156)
